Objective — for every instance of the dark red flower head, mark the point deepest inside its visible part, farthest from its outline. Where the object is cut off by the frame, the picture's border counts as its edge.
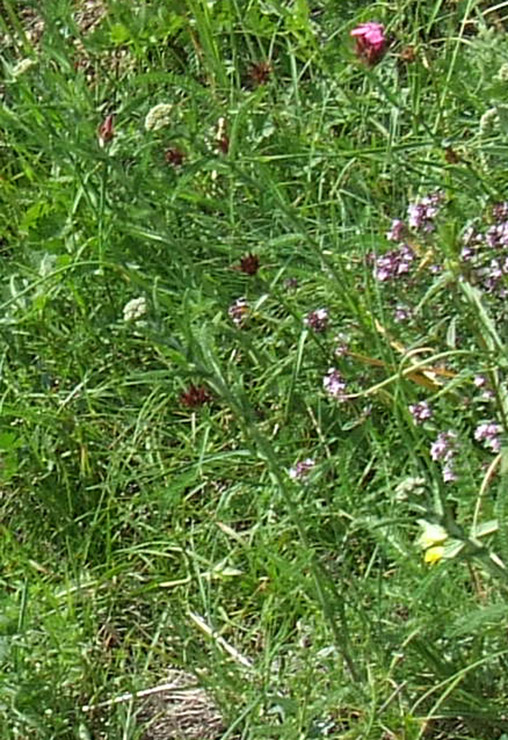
(249, 264)
(195, 396)
(174, 156)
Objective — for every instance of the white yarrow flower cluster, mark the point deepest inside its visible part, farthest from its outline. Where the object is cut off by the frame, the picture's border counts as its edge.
(158, 117)
(135, 309)
(489, 121)
(409, 486)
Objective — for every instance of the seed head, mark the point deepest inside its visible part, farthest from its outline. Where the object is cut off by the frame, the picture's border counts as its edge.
(291, 283)
(408, 54)
(260, 73)
(451, 156)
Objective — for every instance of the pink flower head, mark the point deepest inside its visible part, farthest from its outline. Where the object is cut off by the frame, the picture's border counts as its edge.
(420, 412)
(370, 41)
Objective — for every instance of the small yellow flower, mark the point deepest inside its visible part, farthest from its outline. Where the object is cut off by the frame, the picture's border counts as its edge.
(434, 554)
(433, 534)
(432, 540)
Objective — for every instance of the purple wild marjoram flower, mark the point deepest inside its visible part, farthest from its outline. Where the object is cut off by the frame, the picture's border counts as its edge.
(469, 253)
(491, 276)
(472, 240)
(444, 449)
(480, 381)
(500, 211)
(394, 263)
(301, 469)
(397, 231)
(488, 433)
(471, 236)
(342, 346)
(317, 320)
(488, 270)
(402, 313)
(497, 235)
(238, 311)
(421, 214)
(420, 411)
(334, 384)
(449, 474)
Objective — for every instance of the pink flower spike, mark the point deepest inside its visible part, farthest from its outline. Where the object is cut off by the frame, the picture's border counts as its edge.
(106, 130)
(370, 41)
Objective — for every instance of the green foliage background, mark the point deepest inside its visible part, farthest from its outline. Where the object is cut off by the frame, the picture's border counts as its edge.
(124, 512)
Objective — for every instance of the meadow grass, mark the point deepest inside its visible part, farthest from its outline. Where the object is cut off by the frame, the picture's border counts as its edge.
(252, 429)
